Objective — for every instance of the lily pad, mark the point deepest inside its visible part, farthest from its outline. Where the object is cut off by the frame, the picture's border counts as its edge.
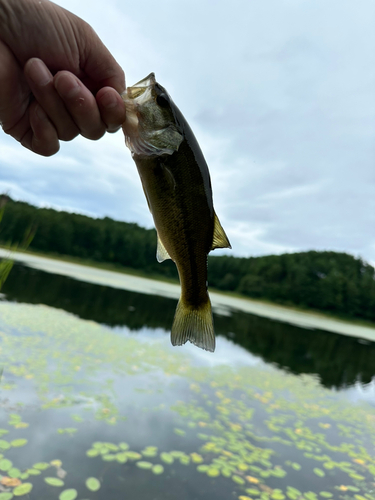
(41, 465)
(277, 496)
(196, 458)
(4, 445)
(54, 481)
(92, 453)
(18, 442)
(14, 472)
(121, 457)
(238, 479)
(310, 495)
(144, 465)
(149, 453)
(133, 455)
(92, 484)
(111, 446)
(33, 472)
(167, 458)
(319, 472)
(226, 472)
(158, 469)
(5, 464)
(56, 463)
(97, 445)
(22, 489)
(202, 468)
(179, 432)
(70, 494)
(212, 472)
(357, 476)
(6, 496)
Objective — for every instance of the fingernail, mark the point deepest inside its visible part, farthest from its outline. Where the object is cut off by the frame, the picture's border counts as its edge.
(67, 86)
(108, 100)
(39, 73)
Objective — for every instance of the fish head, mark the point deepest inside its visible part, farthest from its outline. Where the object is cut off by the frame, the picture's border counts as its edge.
(151, 127)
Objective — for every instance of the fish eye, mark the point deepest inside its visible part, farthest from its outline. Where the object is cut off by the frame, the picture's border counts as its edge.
(162, 100)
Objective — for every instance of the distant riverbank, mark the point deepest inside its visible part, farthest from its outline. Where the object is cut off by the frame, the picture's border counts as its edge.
(222, 303)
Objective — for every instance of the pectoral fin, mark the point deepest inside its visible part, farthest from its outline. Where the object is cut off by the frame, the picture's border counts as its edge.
(169, 177)
(161, 252)
(220, 239)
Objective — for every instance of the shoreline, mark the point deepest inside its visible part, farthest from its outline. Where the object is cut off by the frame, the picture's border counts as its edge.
(221, 303)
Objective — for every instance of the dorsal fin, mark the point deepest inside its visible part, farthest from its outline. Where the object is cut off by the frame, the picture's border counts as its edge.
(220, 239)
(161, 252)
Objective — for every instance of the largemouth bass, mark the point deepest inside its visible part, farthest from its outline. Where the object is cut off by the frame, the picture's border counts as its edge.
(177, 185)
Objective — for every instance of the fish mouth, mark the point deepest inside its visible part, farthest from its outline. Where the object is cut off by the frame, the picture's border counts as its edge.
(139, 88)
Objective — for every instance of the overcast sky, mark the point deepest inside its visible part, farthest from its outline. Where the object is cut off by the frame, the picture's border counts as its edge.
(281, 97)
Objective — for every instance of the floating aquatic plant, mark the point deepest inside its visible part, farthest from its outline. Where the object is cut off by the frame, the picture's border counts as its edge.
(92, 484)
(256, 430)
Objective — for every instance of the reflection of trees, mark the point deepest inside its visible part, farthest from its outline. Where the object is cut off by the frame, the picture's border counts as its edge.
(338, 360)
(109, 306)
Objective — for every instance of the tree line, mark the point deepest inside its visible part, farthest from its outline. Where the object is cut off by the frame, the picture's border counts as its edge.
(327, 281)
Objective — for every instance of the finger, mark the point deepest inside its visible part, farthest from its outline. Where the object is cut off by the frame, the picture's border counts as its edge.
(81, 105)
(41, 84)
(42, 137)
(111, 107)
(97, 62)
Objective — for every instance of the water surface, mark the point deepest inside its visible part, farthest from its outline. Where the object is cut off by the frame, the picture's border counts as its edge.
(92, 388)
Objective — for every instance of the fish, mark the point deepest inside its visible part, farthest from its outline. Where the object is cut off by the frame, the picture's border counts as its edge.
(177, 185)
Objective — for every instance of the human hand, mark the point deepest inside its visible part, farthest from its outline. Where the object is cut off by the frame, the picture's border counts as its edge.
(57, 79)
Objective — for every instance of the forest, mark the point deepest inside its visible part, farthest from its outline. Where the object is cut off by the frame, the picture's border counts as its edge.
(327, 281)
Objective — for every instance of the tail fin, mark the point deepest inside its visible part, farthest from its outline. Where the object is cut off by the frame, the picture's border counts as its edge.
(194, 324)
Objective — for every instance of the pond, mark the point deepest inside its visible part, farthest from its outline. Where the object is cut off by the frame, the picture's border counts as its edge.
(96, 404)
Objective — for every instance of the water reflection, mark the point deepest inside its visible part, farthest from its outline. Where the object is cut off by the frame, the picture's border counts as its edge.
(339, 361)
(96, 398)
